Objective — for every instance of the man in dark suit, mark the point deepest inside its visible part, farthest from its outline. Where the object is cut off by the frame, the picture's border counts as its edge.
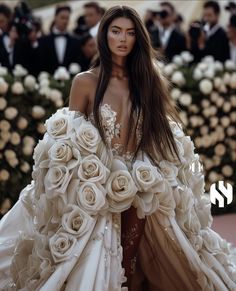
(58, 48)
(212, 39)
(165, 35)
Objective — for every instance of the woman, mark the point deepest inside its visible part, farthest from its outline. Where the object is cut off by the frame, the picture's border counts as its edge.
(113, 204)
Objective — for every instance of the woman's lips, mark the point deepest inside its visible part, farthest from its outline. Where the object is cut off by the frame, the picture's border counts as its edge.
(123, 48)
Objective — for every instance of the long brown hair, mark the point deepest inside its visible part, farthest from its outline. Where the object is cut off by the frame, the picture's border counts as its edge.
(148, 89)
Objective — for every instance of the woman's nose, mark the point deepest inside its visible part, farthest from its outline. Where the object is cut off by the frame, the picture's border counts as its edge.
(123, 37)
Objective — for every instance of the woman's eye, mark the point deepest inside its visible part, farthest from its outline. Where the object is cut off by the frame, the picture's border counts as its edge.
(115, 31)
(131, 33)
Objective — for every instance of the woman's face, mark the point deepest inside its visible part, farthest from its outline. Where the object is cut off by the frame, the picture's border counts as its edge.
(121, 36)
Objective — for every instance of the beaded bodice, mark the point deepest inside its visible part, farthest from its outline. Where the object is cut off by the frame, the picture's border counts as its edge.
(115, 130)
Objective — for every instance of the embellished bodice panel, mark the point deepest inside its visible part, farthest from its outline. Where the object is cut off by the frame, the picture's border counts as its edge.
(116, 128)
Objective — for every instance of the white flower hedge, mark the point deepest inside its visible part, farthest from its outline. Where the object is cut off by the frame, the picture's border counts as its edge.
(205, 93)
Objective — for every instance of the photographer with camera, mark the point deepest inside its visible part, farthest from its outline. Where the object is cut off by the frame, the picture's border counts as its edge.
(165, 35)
(207, 37)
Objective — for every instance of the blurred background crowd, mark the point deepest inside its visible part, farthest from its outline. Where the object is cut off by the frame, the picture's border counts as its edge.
(23, 40)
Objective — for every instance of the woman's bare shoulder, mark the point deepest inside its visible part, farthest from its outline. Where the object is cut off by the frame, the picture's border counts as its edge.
(83, 88)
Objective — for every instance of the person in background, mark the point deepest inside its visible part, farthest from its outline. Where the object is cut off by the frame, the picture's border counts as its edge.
(88, 48)
(58, 48)
(93, 14)
(81, 27)
(165, 36)
(5, 18)
(210, 39)
(8, 47)
(231, 33)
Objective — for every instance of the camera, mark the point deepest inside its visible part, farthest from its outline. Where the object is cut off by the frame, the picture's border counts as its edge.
(162, 14)
(195, 30)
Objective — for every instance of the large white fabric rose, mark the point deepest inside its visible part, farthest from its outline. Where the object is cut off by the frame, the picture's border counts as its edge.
(61, 245)
(91, 197)
(170, 172)
(59, 125)
(63, 152)
(86, 136)
(57, 180)
(76, 221)
(120, 187)
(92, 169)
(146, 176)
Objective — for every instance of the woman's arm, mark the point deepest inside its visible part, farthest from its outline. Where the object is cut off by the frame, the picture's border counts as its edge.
(79, 93)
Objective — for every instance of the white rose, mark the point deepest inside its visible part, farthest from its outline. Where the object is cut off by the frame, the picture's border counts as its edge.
(218, 66)
(168, 69)
(15, 138)
(30, 82)
(74, 68)
(92, 169)
(229, 65)
(61, 74)
(5, 136)
(27, 150)
(2, 146)
(43, 75)
(13, 162)
(57, 180)
(45, 91)
(188, 147)
(17, 88)
(178, 78)
(64, 152)
(10, 113)
(120, 187)
(86, 136)
(176, 129)
(186, 56)
(185, 99)
(91, 197)
(38, 112)
(197, 74)
(232, 82)
(28, 140)
(170, 172)
(3, 86)
(217, 82)
(61, 245)
(209, 73)
(25, 167)
(175, 93)
(59, 103)
(9, 154)
(178, 60)
(22, 123)
(208, 59)
(202, 66)
(3, 103)
(41, 128)
(205, 86)
(226, 78)
(76, 221)
(59, 125)
(44, 83)
(3, 71)
(19, 71)
(54, 95)
(4, 175)
(146, 177)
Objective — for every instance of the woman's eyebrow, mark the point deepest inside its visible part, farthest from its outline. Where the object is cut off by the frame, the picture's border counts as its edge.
(115, 26)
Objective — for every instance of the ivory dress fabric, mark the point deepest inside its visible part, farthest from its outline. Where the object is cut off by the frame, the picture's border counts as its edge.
(64, 232)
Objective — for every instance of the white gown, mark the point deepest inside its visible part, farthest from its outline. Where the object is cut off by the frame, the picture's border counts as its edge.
(64, 232)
